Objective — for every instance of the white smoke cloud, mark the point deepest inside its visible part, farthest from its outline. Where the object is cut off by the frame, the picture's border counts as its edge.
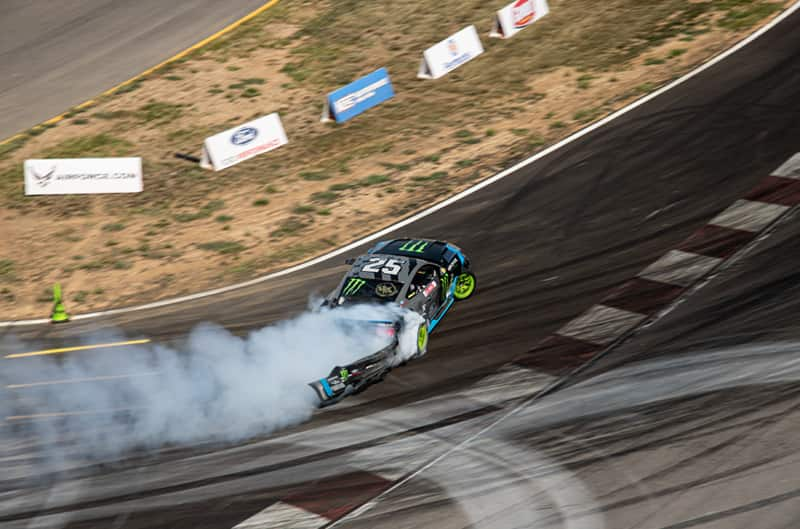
(408, 336)
(217, 387)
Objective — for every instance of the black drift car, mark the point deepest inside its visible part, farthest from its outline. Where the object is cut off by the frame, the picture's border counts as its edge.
(420, 275)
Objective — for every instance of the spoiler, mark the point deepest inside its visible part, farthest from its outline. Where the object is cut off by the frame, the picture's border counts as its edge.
(355, 377)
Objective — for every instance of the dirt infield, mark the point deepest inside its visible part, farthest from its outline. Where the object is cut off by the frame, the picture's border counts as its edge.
(193, 229)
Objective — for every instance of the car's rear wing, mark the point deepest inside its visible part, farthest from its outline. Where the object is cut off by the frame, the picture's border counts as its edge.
(354, 377)
(387, 328)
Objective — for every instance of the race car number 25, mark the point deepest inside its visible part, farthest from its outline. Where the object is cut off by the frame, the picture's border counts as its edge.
(390, 267)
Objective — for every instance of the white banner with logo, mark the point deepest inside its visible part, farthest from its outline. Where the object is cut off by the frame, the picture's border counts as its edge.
(77, 176)
(451, 53)
(243, 142)
(518, 15)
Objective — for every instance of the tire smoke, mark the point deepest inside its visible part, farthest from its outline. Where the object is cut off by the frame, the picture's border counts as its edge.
(216, 387)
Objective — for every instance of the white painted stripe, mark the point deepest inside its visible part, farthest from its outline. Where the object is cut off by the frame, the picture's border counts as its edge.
(791, 169)
(509, 382)
(283, 516)
(441, 205)
(80, 380)
(749, 215)
(679, 268)
(392, 461)
(59, 414)
(601, 324)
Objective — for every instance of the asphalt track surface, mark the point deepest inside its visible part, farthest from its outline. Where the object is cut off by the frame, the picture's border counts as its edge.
(58, 53)
(692, 423)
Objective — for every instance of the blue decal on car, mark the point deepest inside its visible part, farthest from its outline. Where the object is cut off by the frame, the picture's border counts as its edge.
(457, 252)
(435, 322)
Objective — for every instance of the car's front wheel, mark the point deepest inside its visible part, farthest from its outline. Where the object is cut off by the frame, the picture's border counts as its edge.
(465, 286)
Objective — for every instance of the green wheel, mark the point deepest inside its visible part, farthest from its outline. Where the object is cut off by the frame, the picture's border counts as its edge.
(465, 286)
(422, 339)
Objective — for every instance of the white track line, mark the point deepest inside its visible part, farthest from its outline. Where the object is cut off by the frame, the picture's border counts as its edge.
(80, 380)
(441, 205)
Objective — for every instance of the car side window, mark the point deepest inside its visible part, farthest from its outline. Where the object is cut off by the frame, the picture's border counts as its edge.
(455, 267)
(424, 281)
(425, 275)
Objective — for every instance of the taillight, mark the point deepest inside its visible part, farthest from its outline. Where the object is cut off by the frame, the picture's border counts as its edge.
(386, 331)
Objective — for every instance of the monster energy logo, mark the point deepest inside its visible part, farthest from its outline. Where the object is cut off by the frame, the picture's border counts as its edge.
(344, 374)
(445, 283)
(353, 286)
(414, 246)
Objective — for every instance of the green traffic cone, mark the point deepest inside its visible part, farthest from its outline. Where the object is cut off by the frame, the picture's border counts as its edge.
(59, 314)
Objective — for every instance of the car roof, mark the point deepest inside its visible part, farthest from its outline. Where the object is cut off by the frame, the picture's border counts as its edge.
(426, 249)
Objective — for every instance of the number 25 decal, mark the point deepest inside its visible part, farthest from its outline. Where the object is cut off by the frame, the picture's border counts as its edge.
(390, 267)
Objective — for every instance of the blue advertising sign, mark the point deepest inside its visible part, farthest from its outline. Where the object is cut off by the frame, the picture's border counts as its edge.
(363, 94)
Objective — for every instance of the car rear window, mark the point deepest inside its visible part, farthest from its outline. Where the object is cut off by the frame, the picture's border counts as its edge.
(357, 288)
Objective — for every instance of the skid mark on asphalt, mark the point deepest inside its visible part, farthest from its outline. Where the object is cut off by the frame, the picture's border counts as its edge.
(323, 501)
(327, 499)
(639, 301)
(731, 436)
(59, 493)
(334, 497)
(318, 502)
(661, 285)
(351, 461)
(509, 382)
(575, 437)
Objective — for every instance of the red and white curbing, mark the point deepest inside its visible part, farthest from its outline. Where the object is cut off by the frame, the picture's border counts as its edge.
(319, 502)
(664, 281)
(322, 501)
(326, 501)
(282, 514)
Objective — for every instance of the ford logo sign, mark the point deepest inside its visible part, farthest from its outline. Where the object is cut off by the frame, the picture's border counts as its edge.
(244, 135)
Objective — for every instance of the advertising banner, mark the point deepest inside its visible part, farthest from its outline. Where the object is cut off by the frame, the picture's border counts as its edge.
(357, 97)
(449, 54)
(243, 142)
(518, 15)
(79, 176)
